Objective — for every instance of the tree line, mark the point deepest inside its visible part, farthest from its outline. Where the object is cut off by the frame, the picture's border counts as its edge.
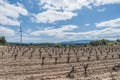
(104, 42)
(3, 41)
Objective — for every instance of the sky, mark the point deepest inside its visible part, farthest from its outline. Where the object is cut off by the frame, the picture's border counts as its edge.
(59, 20)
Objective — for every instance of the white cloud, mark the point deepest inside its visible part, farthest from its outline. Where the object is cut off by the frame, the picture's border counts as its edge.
(109, 23)
(87, 24)
(101, 10)
(7, 21)
(9, 13)
(67, 5)
(107, 33)
(56, 10)
(57, 32)
(52, 16)
(67, 33)
(104, 2)
(72, 5)
(25, 39)
(28, 38)
(6, 31)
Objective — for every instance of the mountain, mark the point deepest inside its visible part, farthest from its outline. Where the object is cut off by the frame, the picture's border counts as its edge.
(77, 42)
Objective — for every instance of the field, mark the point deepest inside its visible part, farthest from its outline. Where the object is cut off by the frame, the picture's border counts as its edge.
(51, 63)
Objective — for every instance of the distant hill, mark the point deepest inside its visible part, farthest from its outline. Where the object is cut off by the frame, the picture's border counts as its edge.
(50, 44)
(77, 42)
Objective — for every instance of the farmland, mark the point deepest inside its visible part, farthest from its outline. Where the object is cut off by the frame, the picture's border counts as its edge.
(63, 63)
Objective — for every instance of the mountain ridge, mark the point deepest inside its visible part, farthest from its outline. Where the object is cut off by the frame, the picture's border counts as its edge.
(77, 42)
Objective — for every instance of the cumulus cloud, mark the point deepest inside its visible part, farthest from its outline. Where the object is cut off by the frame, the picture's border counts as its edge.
(67, 5)
(53, 8)
(87, 25)
(7, 21)
(25, 39)
(6, 31)
(107, 33)
(9, 13)
(72, 5)
(101, 10)
(57, 32)
(109, 23)
(52, 16)
(104, 2)
(56, 10)
(66, 32)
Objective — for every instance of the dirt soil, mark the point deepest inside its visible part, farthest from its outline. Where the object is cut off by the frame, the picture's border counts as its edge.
(25, 63)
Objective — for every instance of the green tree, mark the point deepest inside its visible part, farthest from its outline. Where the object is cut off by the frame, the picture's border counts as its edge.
(3, 40)
(57, 45)
(99, 42)
(118, 40)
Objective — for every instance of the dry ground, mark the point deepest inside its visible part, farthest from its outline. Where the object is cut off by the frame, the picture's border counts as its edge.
(28, 63)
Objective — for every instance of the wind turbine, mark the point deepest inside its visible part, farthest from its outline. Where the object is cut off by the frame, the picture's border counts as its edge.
(21, 35)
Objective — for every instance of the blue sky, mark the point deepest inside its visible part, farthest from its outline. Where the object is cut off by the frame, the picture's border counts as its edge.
(59, 20)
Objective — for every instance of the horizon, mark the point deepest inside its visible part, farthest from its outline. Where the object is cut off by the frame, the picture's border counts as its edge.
(61, 41)
(59, 21)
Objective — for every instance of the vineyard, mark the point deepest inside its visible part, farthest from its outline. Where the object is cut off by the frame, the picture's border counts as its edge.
(64, 63)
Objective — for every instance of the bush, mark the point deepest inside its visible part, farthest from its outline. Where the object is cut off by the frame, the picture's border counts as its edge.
(99, 42)
(57, 45)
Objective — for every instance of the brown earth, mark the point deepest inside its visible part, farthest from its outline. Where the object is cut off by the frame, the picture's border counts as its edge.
(25, 63)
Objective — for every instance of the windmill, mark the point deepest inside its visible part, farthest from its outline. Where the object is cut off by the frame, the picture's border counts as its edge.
(21, 34)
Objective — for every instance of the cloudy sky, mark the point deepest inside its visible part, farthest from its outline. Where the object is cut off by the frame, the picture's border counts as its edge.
(59, 20)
